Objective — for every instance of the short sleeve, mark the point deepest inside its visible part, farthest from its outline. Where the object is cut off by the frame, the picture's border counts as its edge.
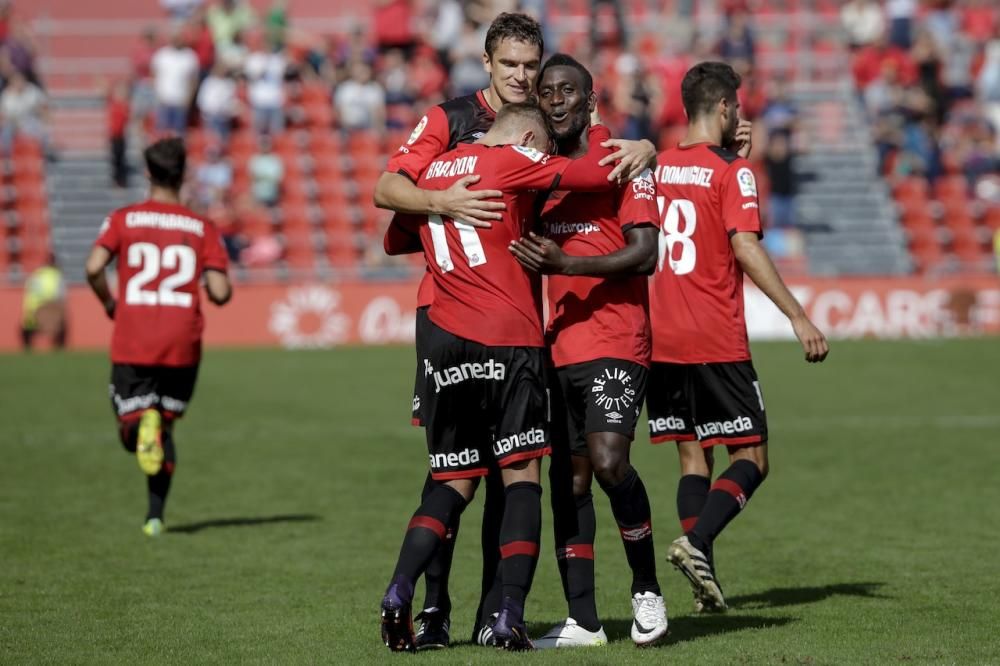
(109, 236)
(738, 196)
(427, 140)
(214, 252)
(637, 203)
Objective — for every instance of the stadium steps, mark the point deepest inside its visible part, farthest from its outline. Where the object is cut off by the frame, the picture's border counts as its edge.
(79, 184)
(844, 209)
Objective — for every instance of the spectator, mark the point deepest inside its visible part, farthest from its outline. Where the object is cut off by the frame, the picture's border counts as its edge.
(779, 112)
(900, 14)
(360, 100)
(265, 72)
(863, 21)
(737, 43)
(143, 92)
(118, 116)
(213, 179)
(276, 22)
(19, 49)
(602, 34)
(180, 10)
(988, 85)
(631, 100)
(466, 57)
(393, 22)
(175, 76)
(203, 44)
(233, 55)
(266, 173)
(22, 112)
(780, 167)
(218, 104)
(395, 79)
(228, 18)
(447, 28)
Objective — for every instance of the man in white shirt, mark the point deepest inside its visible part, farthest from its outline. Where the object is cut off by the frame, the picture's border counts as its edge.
(360, 100)
(217, 102)
(22, 111)
(265, 72)
(175, 77)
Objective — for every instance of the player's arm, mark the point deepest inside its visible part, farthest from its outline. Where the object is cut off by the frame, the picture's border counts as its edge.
(403, 235)
(528, 169)
(756, 263)
(95, 267)
(396, 189)
(217, 286)
(632, 157)
(543, 255)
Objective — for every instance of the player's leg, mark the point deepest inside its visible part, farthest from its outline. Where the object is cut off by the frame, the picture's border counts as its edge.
(728, 409)
(435, 618)
(615, 391)
(520, 441)
(491, 583)
(158, 485)
(573, 520)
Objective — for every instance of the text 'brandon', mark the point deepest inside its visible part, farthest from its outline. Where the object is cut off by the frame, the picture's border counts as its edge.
(463, 166)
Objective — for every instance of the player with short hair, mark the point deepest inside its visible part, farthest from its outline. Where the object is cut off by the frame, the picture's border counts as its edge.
(512, 56)
(164, 252)
(703, 390)
(598, 250)
(483, 364)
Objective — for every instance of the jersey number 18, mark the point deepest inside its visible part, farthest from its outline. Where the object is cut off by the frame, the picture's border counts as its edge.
(672, 235)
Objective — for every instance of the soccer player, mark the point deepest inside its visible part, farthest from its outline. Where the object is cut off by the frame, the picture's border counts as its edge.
(703, 388)
(512, 56)
(485, 392)
(599, 249)
(164, 252)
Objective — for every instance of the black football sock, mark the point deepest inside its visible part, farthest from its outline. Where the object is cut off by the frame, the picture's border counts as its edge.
(128, 434)
(158, 485)
(425, 533)
(692, 493)
(575, 528)
(491, 584)
(630, 506)
(729, 494)
(439, 570)
(519, 537)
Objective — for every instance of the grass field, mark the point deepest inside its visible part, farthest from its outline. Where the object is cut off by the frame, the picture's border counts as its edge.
(874, 540)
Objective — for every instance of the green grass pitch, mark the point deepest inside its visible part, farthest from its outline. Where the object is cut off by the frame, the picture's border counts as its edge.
(874, 541)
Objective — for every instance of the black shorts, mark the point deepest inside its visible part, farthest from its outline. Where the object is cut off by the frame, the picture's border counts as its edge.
(136, 388)
(714, 403)
(481, 404)
(603, 395)
(423, 323)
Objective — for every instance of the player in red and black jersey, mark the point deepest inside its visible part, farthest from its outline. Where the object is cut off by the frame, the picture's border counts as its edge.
(512, 57)
(703, 387)
(485, 388)
(164, 252)
(599, 249)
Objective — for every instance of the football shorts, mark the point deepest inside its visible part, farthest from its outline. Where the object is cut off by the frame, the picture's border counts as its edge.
(421, 333)
(714, 403)
(481, 404)
(136, 388)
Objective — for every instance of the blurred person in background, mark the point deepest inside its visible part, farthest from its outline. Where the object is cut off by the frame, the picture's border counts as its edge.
(360, 100)
(446, 27)
(213, 179)
(23, 111)
(143, 93)
(266, 173)
(900, 15)
(218, 104)
(265, 72)
(863, 21)
(202, 43)
(19, 49)
(44, 306)
(988, 83)
(737, 42)
(466, 57)
(631, 99)
(233, 55)
(393, 24)
(780, 166)
(118, 117)
(227, 18)
(175, 78)
(181, 10)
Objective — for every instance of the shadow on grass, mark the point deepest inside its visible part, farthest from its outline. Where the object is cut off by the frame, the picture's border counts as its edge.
(794, 596)
(692, 628)
(194, 528)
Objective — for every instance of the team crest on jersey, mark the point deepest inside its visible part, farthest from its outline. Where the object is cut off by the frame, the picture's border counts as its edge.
(104, 225)
(417, 131)
(643, 186)
(748, 185)
(531, 153)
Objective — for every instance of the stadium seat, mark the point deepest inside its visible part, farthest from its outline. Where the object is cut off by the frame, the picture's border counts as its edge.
(951, 188)
(926, 250)
(992, 218)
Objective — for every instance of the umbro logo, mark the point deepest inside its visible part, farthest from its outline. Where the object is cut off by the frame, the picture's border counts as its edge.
(614, 417)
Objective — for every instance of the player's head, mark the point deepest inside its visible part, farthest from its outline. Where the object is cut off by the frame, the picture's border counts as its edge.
(566, 95)
(165, 161)
(513, 54)
(521, 124)
(709, 93)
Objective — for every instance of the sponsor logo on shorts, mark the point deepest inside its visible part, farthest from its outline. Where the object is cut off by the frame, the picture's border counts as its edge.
(668, 423)
(518, 441)
(613, 391)
(737, 425)
(457, 374)
(614, 417)
(147, 400)
(463, 458)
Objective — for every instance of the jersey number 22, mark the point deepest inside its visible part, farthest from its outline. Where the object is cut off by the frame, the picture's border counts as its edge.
(152, 260)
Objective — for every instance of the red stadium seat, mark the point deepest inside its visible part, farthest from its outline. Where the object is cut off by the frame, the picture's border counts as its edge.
(992, 217)
(951, 188)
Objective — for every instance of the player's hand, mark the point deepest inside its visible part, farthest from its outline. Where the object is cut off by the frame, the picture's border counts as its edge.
(474, 207)
(813, 341)
(742, 142)
(633, 158)
(109, 309)
(539, 254)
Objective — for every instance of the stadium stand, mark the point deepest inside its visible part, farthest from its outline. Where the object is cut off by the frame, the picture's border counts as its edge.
(893, 167)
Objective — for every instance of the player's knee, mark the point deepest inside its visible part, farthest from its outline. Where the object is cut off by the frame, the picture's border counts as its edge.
(610, 467)
(694, 459)
(581, 484)
(128, 434)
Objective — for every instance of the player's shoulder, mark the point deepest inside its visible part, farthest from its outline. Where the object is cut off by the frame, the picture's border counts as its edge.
(466, 105)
